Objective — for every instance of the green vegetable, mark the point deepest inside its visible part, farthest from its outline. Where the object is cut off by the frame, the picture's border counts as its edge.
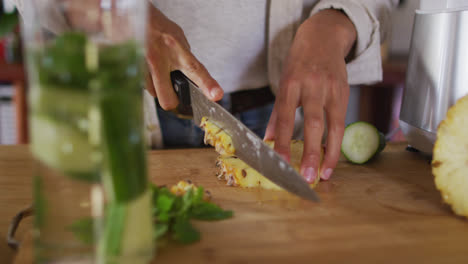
(209, 212)
(63, 63)
(63, 148)
(171, 213)
(114, 227)
(362, 142)
(183, 231)
(88, 121)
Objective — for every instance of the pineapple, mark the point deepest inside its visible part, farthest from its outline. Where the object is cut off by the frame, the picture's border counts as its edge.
(450, 158)
(238, 173)
(217, 137)
(184, 186)
(234, 170)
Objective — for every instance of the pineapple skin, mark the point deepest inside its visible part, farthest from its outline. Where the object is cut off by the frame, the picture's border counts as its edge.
(450, 158)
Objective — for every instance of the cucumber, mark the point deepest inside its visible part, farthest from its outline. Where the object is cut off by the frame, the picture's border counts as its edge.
(362, 142)
(128, 232)
(63, 148)
(52, 101)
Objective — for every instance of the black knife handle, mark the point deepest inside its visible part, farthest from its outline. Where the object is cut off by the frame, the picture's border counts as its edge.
(180, 83)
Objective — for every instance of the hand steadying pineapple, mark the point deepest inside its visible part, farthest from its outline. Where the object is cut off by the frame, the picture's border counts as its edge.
(235, 171)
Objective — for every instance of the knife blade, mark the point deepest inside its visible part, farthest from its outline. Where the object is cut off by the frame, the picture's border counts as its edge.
(248, 146)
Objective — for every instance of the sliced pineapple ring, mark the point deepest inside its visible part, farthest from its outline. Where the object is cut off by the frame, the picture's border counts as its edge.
(234, 170)
(450, 157)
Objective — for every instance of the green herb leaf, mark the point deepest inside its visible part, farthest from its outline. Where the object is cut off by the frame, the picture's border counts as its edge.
(164, 203)
(184, 232)
(186, 203)
(163, 217)
(198, 196)
(160, 230)
(115, 222)
(209, 212)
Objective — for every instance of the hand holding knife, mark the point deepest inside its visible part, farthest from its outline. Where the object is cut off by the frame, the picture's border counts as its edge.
(255, 153)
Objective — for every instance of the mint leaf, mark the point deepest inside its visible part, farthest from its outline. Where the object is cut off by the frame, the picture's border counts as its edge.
(163, 217)
(164, 203)
(187, 201)
(160, 229)
(184, 232)
(198, 196)
(209, 212)
(173, 213)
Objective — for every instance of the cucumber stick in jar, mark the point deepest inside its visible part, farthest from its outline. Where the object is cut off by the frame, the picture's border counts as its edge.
(89, 118)
(362, 142)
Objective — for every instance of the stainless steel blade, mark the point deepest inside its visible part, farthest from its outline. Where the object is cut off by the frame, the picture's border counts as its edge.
(249, 147)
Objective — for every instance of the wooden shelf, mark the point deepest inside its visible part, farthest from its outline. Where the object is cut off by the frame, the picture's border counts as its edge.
(11, 72)
(15, 74)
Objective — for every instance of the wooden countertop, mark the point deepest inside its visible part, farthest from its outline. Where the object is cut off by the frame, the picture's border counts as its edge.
(387, 211)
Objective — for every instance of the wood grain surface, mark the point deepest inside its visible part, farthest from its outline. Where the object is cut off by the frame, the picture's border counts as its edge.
(387, 211)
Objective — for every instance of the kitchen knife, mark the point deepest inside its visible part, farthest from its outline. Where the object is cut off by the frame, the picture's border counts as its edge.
(248, 146)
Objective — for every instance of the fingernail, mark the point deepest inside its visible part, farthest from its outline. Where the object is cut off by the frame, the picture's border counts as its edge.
(215, 93)
(309, 174)
(285, 157)
(326, 174)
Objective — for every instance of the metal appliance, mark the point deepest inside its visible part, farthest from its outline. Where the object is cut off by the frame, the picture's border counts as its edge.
(437, 72)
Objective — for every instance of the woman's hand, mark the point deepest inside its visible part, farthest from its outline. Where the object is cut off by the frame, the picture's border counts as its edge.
(168, 50)
(314, 77)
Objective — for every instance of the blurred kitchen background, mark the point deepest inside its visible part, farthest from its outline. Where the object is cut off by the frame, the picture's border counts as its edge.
(378, 104)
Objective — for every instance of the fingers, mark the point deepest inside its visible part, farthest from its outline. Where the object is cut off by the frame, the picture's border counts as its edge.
(336, 114)
(163, 86)
(287, 102)
(196, 72)
(270, 130)
(171, 55)
(313, 132)
(149, 85)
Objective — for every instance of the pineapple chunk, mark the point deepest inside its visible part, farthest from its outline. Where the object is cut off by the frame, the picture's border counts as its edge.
(235, 171)
(450, 157)
(238, 173)
(217, 137)
(184, 186)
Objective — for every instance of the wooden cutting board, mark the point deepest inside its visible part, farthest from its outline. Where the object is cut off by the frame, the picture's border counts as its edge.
(387, 211)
